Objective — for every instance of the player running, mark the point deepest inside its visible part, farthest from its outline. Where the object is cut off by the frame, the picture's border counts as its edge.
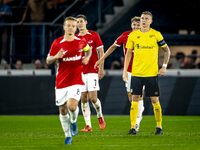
(145, 43)
(91, 76)
(67, 52)
(121, 40)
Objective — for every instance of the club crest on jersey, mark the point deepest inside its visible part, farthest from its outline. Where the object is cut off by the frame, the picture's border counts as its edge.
(90, 41)
(150, 36)
(72, 58)
(80, 50)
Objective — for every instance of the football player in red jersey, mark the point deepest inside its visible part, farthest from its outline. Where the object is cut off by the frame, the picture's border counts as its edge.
(91, 76)
(121, 40)
(67, 52)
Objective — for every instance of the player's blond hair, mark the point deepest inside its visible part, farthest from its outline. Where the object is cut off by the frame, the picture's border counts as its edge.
(147, 13)
(136, 18)
(70, 18)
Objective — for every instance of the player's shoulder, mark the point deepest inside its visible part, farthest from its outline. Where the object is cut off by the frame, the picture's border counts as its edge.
(78, 38)
(92, 32)
(155, 31)
(58, 40)
(125, 34)
(135, 33)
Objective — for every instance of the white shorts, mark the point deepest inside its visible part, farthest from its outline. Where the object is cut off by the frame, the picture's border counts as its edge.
(62, 95)
(91, 81)
(128, 84)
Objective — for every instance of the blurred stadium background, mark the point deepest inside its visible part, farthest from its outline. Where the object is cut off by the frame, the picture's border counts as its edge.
(31, 91)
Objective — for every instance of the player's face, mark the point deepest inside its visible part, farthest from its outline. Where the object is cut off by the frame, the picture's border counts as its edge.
(81, 23)
(146, 20)
(70, 27)
(135, 25)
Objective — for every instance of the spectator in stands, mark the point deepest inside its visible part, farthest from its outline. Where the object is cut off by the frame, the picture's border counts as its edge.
(38, 64)
(190, 64)
(179, 62)
(115, 65)
(191, 61)
(36, 11)
(18, 65)
(5, 13)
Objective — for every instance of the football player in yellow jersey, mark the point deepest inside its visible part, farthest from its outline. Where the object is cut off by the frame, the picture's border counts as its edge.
(145, 42)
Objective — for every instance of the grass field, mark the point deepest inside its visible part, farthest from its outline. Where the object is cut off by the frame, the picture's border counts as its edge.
(45, 132)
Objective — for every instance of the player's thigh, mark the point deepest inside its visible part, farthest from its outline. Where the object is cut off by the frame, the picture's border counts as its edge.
(128, 84)
(136, 85)
(93, 82)
(152, 86)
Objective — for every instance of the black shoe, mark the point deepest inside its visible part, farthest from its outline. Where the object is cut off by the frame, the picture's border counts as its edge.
(158, 131)
(132, 131)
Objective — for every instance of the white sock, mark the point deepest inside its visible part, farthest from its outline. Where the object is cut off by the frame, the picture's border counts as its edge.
(74, 115)
(97, 107)
(86, 113)
(64, 119)
(140, 111)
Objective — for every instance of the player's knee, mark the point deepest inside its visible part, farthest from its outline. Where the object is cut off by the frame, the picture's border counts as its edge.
(93, 99)
(136, 97)
(63, 110)
(154, 99)
(72, 108)
(84, 98)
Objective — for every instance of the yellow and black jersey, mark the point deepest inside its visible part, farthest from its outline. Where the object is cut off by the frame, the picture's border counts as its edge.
(146, 46)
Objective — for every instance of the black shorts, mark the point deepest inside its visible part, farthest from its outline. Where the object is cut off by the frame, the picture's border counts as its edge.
(150, 83)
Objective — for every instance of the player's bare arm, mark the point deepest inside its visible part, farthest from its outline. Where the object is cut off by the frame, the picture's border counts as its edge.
(166, 60)
(86, 58)
(127, 61)
(101, 66)
(52, 59)
(108, 52)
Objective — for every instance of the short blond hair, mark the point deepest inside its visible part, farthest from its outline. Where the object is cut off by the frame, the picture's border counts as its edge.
(147, 13)
(70, 18)
(136, 18)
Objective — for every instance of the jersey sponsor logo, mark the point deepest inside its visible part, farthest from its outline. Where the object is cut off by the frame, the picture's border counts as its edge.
(144, 47)
(72, 58)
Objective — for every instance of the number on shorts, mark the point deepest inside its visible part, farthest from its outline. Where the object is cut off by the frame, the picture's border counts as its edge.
(95, 82)
(78, 91)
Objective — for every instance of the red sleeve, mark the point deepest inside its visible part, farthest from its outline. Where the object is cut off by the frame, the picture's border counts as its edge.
(120, 40)
(54, 49)
(98, 41)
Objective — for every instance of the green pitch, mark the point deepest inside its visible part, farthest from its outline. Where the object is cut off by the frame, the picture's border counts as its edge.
(45, 132)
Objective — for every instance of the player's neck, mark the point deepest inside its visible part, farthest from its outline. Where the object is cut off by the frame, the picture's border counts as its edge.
(147, 29)
(83, 32)
(69, 37)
